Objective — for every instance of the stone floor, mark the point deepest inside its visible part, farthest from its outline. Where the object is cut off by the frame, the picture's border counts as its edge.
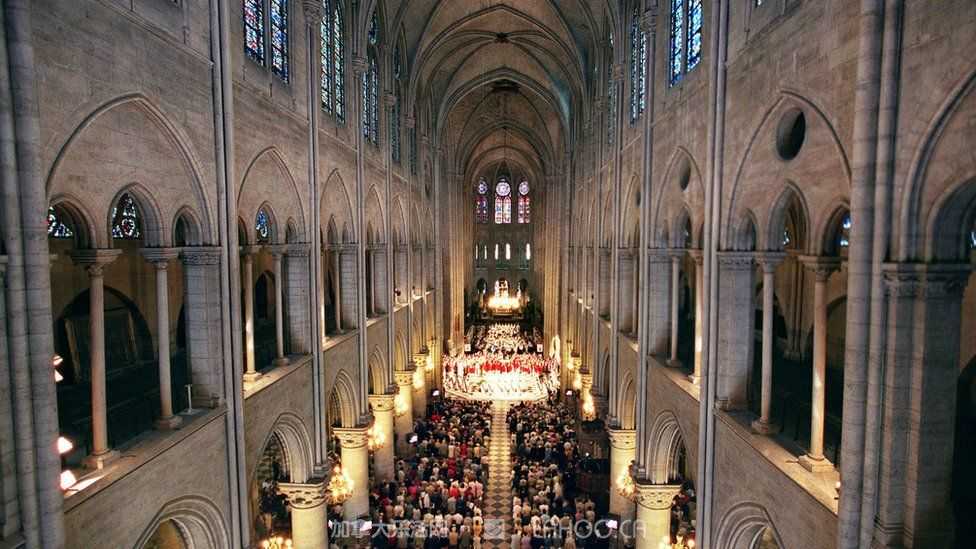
(498, 495)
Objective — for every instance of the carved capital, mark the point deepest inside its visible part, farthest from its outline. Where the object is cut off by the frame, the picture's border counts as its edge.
(303, 495)
(359, 65)
(931, 281)
(736, 261)
(381, 403)
(313, 11)
(648, 21)
(95, 260)
(301, 249)
(404, 378)
(770, 260)
(656, 497)
(622, 439)
(159, 257)
(821, 267)
(209, 255)
(352, 437)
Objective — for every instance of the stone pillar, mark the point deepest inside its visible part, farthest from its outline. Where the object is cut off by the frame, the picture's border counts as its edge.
(160, 258)
(403, 421)
(309, 522)
(355, 463)
(735, 332)
(299, 316)
(201, 299)
(625, 279)
(603, 283)
(657, 287)
(94, 261)
(653, 524)
(623, 451)
(247, 254)
(381, 286)
(420, 393)
(383, 460)
(371, 298)
(769, 261)
(337, 279)
(276, 254)
(675, 286)
(698, 258)
(821, 267)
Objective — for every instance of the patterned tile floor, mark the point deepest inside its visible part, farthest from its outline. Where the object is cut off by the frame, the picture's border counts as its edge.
(498, 495)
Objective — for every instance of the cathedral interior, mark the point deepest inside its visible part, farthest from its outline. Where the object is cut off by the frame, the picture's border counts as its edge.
(473, 273)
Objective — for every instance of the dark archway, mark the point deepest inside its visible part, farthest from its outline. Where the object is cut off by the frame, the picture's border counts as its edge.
(964, 456)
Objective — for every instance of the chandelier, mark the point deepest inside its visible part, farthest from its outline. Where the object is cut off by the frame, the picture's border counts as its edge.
(340, 486)
(276, 543)
(376, 439)
(399, 405)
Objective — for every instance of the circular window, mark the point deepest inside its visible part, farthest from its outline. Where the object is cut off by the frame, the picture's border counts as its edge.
(791, 134)
(503, 188)
(482, 187)
(524, 188)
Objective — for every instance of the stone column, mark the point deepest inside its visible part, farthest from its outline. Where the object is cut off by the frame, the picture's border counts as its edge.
(657, 286)
(623, 451)
(698, 258)
(371, 259)
(247, 253)
(276, 254)
(653, 524)
(403, 421)
(768, 261)
(821, 267)
(355, 463)
(160, 257)
(94, 261)
(675, 282)
(603, 284)
(308, 513)
(383, 460)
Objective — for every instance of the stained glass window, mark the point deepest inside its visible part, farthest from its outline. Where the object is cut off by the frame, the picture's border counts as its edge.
(482, 187)
(254, 29)
(279, 38)
(685, 46)
(694, 34)
(56, 227)
(523, 188)
(496, 252)
(676, 50)
(638, 65)
(787, 238)
(370, 86)
(528, 251)
(508, 251)
(524, 209)
(333, 69)
(262, 226)
(503, 209)
(972, 239)
(126, 224)
(481, 209)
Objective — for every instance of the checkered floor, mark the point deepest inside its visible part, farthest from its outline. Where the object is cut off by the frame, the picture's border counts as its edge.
(498, 496)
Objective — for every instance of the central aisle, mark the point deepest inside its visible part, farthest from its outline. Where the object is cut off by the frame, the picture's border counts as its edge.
(498, 495)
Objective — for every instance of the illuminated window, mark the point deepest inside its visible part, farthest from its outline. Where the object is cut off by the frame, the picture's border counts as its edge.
(685, 45)
(332, 54)
(56, 225)
(254, 29)
(262, 226)
(279, 38)
(126, 223)
(638, 65)
(503, 202)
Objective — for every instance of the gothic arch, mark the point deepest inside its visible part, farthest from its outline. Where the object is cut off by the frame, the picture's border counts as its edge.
(953, 215)
(334, 202)
(379, 376)
(918, 201)
(198, 519)
(772, 236)
(742, 525)
(297, 446)
(191, 226)
(169, 132)
(665, 443)
(277, 186)
(344, 390)
(83, 223)
(627, 407)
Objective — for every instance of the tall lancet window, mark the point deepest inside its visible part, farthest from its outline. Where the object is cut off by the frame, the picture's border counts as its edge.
(503, 202)
(279, 38)
(638, 65)
(332, 53)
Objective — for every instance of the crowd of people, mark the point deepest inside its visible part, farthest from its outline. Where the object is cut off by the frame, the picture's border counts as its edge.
(436, 498)
(546, 505)
(503, 363)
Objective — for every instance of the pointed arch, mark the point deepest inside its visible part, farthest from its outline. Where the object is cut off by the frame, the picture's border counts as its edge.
(379, 375)
(154, 231)
(335, 203)
(83, 223)
(665, 444)
(199, 520)
(345, 391)
(297, 446)
(186, 224)
(789, 197)
(742, 525)
(267, 179)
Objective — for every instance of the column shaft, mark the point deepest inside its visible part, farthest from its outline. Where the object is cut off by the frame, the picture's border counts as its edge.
(160, 257)
(355, 463)
(337, 277)
(279, 312)
(764, 424)
(251, 372)
(699, 336)
(675, 281)
(97, 361)
(819, 369)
